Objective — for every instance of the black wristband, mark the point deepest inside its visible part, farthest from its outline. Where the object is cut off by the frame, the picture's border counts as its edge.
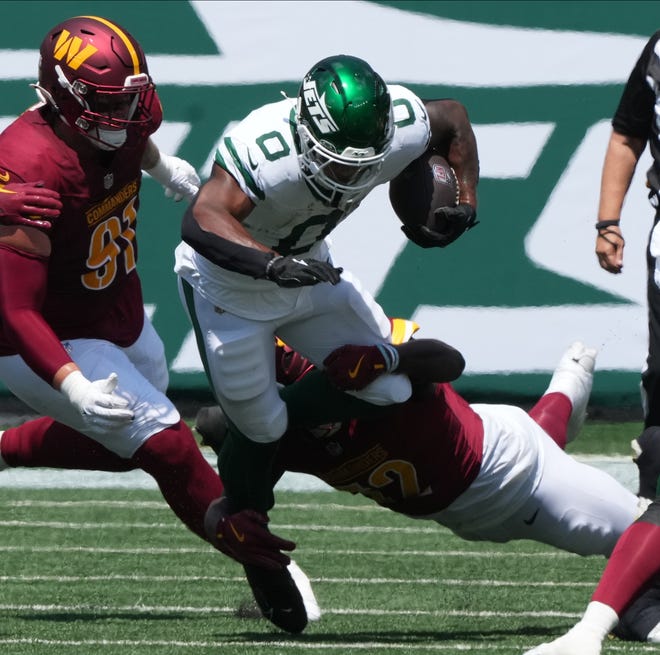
(225, 253)
(601, 225)
(269, 265)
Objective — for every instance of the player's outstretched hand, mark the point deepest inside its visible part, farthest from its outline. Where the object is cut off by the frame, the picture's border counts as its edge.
(29, 204)
(354, 367)
(244, 536)
(290, 271)
(97, 401)
(178, 177)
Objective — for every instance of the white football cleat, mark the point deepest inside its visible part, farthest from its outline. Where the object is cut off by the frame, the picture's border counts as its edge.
(654, 636)
(574, 377)
(305, 588)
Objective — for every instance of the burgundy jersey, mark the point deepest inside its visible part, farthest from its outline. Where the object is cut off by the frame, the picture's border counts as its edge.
(414, 458)
(93, 287)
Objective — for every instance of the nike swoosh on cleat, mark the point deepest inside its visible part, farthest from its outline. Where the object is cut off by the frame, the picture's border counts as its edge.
(532, 519)
(4, 177)
(240, 537)
(352, 372)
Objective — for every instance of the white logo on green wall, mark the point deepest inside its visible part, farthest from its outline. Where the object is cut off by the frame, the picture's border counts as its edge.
(512, 293)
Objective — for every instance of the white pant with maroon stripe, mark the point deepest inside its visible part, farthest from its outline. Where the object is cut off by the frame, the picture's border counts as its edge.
(143, 378)
(528, 488)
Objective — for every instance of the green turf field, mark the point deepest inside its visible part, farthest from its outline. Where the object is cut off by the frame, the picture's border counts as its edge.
(112, 572)
(605, 438)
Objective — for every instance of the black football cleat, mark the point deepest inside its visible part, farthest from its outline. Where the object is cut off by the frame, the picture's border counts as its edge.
(646, 449)
(641, 621)
(278, 597)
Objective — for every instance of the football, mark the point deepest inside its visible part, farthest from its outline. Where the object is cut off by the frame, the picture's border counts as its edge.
(426, 184)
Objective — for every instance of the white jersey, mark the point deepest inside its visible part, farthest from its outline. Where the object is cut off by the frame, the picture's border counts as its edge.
(260, 153)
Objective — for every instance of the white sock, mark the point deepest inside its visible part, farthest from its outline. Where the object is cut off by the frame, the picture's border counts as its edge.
(599, 619)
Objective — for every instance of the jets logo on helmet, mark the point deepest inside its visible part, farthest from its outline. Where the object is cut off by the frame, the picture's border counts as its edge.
(345, 127)
(318, 112)
(94, 75)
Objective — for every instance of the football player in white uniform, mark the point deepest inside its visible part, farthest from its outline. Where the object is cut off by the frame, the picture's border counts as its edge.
(255, 262)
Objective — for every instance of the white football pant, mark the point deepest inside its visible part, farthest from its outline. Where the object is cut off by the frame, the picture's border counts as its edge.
(529, 488)
(142, 380)
(239, 353)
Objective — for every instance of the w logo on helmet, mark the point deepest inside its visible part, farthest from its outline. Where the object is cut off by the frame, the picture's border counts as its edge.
(69, 47)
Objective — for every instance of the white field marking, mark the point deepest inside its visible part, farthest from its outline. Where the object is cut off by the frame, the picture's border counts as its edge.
(187, 609)
(106, 551)
(621, 468)
(68, 525)
(141, 504)
(333, 506)
(343, 581)
(115, 577)
(49, 478)
(352, 529)
(558, 554)
(450, 582)
(155, 504)
(291, 646)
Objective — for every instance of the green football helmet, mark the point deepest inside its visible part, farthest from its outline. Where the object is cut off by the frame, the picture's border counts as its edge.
(345, 125)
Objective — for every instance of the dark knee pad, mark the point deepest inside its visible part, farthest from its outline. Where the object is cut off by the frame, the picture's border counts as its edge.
(641, 617)
(648, 461)
(211, 425)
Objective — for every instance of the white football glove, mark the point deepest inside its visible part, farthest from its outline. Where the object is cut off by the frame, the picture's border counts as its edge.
(179, 178)
(96, 401)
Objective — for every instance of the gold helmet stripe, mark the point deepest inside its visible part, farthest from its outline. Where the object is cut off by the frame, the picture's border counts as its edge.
(124, 37)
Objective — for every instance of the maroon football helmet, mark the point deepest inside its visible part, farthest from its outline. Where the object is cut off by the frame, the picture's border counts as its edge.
(94, 74)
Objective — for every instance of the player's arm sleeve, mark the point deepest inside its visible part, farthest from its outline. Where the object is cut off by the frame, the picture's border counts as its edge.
(222, 252)
(23, 283)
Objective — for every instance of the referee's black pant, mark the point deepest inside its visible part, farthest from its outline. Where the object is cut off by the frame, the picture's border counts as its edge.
(651, 374)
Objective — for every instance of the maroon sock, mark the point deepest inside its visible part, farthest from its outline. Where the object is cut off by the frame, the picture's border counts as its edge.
(186, 480)
(552, 412)
(45, 443)
(632, 567)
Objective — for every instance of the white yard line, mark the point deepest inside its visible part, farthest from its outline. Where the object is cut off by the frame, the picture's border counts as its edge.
(621, 468)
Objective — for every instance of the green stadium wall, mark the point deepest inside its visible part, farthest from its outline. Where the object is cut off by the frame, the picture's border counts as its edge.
(540, 81)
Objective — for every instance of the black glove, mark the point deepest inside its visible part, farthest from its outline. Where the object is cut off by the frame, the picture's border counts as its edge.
(291, 272)
(449, 224)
